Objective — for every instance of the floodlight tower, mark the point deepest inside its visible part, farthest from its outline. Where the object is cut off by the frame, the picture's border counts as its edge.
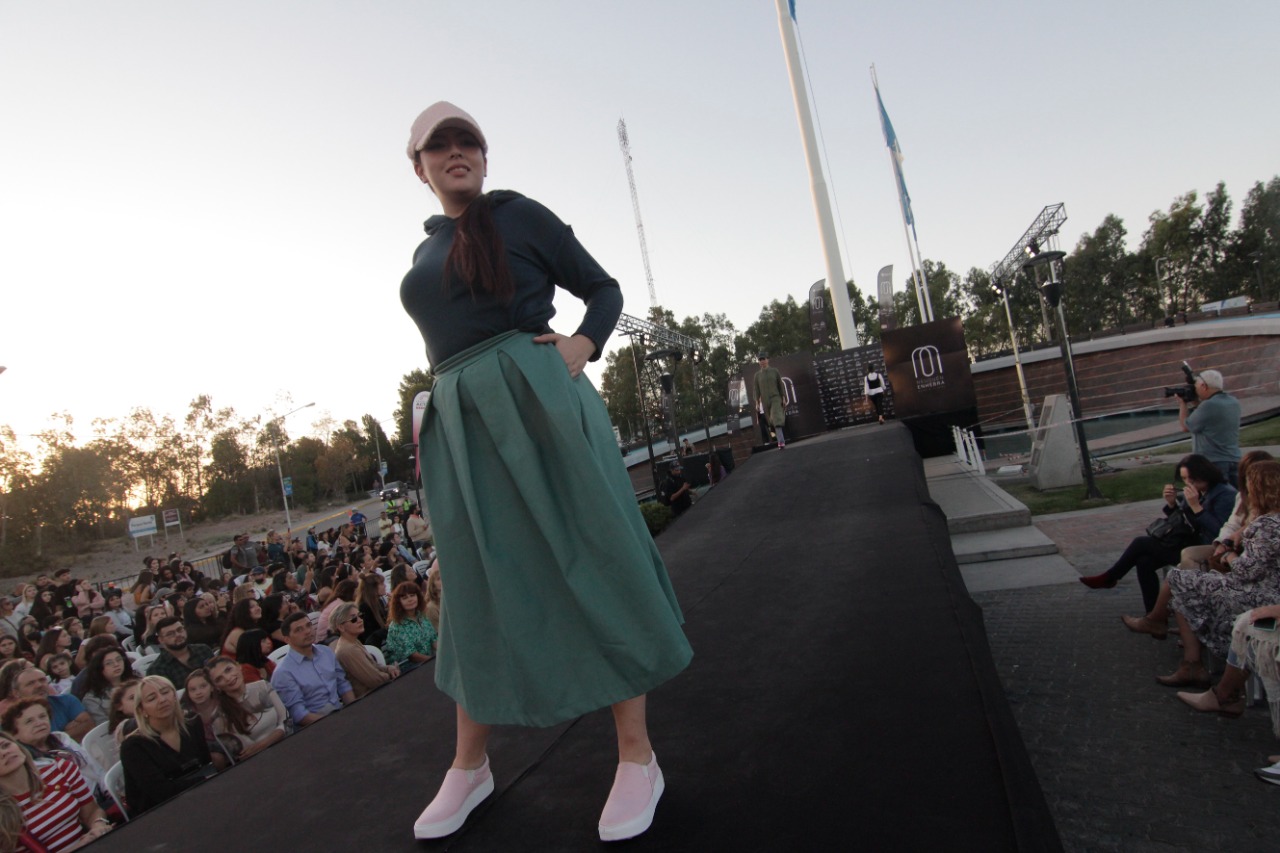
(625, 144)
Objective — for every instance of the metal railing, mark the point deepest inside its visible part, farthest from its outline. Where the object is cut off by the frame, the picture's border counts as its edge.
(967, 452)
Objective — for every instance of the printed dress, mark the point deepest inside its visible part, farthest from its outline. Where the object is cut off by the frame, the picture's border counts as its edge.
(1211, 601)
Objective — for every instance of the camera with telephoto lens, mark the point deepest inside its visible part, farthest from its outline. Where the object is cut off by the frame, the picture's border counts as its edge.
(1186, 393)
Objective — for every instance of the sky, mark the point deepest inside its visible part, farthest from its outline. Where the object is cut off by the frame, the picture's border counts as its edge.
(215, 198)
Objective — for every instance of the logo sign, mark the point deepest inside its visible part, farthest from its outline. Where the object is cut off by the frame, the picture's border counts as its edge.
(928, 367)
(818, 314)
(143, 525)
(172, 518)
(884, 290)
(288, 487)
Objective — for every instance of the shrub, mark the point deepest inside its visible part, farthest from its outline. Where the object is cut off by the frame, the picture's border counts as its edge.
(656, 516)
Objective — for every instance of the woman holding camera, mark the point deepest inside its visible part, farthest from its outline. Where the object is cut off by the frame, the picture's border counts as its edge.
(1205, 502)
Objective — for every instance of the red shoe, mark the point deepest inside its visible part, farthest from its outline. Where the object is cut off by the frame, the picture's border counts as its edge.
(1098, 581)
(461, 792)
(633, 800)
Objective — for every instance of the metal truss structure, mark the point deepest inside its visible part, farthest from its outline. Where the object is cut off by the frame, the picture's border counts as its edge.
(655, 334)
(1043, 232)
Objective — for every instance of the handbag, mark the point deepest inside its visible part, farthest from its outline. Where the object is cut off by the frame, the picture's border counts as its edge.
(1174, 528)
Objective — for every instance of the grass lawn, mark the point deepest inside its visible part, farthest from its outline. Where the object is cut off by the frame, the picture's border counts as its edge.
(1136, 484)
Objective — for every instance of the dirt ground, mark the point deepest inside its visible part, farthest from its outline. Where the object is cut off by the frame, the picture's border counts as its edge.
(117, 559)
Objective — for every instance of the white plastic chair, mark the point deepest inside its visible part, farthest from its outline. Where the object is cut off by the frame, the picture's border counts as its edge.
(278, 654)
(143, 663)
(114, 781)
(376, 654)
(95, 743)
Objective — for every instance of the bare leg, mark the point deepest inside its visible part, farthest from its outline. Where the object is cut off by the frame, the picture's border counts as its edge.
(1231, 685)
(473, 737)
(1190, 642)
(633, 734)
(1160, 613)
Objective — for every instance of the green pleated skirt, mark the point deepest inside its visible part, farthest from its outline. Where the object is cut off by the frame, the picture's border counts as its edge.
(556, 601)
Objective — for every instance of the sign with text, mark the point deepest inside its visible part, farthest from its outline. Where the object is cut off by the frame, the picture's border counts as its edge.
(288, 487)
(143, 525)
(928, 367)
(172, 518)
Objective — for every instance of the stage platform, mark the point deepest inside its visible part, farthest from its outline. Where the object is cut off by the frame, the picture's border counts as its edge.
(841, 696)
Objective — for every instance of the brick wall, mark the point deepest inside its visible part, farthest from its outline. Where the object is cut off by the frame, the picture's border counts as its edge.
(1128, 372)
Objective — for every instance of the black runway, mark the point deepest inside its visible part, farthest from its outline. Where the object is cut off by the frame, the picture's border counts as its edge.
(841, 696)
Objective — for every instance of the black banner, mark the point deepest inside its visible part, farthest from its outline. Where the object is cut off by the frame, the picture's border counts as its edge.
(804, 403)
(840, 383)
(928, 368)
(818, 314)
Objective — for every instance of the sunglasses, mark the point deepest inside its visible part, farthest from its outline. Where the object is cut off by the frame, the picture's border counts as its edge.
(354, 619)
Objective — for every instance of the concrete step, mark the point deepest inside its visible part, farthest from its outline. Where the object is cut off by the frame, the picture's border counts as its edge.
(973, 503)
(1018, 574)
(1007, 544)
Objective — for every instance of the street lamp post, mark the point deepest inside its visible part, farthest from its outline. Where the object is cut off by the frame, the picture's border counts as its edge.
(1051, 291)
(275, 445)
(1017, 362)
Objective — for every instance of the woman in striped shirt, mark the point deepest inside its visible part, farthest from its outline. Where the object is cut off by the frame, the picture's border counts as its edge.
(57, 808)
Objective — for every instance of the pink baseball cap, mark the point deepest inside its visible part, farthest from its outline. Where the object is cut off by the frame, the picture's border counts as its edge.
(438, 115)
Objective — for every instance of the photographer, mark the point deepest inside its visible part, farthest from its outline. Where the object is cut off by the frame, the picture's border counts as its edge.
(1214, 424)
(1205, 502)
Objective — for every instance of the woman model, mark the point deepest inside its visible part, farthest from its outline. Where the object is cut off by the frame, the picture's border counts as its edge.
(362, 670)
(57, 808)
(517, 448)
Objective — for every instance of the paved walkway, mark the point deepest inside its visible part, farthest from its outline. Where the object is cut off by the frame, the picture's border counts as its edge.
(1124, 765)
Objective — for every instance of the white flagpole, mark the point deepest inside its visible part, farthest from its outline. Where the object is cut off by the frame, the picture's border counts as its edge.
(928, 300)
(817, 184)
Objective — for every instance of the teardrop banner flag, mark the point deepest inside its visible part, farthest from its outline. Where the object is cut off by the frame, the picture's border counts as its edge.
(419, 409)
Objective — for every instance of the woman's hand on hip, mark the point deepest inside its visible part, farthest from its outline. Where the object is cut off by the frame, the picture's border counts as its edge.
(575, 350)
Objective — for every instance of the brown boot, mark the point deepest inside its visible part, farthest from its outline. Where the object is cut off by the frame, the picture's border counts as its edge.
(1188, 674)
(1146, 625)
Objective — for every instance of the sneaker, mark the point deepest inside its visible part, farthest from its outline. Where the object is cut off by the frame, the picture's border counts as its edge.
(461, 791)
(635, 794)
(1269, 774)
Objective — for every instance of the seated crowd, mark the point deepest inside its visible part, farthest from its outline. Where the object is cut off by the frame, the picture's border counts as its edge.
(182, 676)
(1222, 588)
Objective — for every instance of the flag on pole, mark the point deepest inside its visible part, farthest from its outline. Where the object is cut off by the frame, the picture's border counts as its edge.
(891, 140)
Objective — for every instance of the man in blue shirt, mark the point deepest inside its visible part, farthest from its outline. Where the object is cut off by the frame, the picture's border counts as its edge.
(309, 679)
(1214, 424)
(357, 519)
(68, 714)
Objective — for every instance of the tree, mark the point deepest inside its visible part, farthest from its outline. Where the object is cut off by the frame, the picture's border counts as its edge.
(1173, 239)
(1096, 277)
(1213, 240)
(411, 384)
(781, 328)
(1253, 257)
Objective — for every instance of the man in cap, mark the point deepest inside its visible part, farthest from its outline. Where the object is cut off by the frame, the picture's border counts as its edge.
(676, 489)
(771, 398)
(1214, 424)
